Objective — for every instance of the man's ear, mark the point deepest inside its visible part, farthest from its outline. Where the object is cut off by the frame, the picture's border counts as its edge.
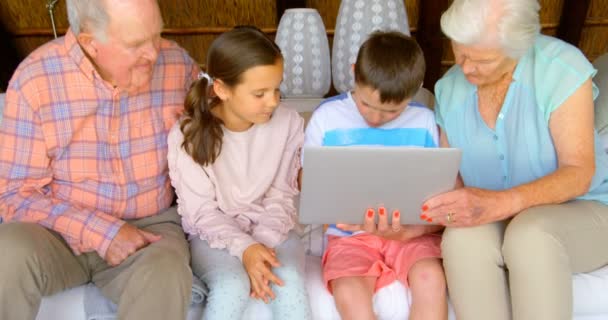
(221, 89)
(88, 43)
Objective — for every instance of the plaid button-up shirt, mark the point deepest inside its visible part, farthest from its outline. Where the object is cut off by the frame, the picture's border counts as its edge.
(77, 155)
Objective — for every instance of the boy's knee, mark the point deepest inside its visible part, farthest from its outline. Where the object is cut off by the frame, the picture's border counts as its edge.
(427, 274)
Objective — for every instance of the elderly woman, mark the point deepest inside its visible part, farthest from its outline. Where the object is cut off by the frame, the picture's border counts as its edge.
(531, 206)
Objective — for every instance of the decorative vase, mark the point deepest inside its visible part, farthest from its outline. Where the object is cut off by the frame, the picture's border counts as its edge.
(357, 19)
(302, 37)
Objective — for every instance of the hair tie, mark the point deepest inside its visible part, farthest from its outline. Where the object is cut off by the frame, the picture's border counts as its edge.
(205, 75)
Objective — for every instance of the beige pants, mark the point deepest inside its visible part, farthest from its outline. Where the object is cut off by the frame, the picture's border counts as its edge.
(522, 269)
(153, 283)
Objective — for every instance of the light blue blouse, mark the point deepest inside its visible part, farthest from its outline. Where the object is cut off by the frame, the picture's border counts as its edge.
(520, 148)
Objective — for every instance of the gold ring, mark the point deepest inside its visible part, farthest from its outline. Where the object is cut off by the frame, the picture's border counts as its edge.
(450, 217)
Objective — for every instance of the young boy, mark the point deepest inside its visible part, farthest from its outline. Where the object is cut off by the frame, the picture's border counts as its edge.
(389, 70)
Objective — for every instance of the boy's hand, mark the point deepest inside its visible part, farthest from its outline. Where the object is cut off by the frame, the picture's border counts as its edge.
(258, 261)
(393, 231)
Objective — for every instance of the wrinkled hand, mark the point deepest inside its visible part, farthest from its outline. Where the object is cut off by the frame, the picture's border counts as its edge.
(466, 207)
(128, 240)
(393, 231)
(258, 261)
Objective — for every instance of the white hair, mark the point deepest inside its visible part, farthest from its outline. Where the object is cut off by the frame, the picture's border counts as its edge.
(512, 24)
(89, 15)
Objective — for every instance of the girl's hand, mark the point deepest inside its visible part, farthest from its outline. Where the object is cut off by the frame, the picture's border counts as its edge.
(258, 261)
(392, 231)
(467, 207)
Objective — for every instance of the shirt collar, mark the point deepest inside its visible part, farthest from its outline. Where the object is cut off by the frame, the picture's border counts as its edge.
(76, 53)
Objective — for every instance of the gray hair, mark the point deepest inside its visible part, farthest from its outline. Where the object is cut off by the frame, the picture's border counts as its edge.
(516, 23)
(90, 15)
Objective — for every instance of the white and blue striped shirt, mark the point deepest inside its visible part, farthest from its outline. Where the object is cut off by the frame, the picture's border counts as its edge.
(337, 122)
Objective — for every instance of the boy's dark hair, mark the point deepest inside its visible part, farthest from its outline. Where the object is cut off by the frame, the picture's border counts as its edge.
(230, 55)
(392, 63)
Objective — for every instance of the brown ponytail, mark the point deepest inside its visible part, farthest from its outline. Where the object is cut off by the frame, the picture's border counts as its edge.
(202, 130)
(229, 56)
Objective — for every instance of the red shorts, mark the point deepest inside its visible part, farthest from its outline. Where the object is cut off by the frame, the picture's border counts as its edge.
(372, 256)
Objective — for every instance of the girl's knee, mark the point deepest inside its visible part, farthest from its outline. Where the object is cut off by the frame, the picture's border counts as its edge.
(229, 284)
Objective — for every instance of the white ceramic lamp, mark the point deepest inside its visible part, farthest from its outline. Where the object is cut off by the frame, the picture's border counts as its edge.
(357, 19)
(302, 37)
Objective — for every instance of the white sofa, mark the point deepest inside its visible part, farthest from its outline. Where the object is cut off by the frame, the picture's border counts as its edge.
(392, 302)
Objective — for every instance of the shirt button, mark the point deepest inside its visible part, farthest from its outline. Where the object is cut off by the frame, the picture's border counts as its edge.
(504, 178)
(502, 157)
(495, 137)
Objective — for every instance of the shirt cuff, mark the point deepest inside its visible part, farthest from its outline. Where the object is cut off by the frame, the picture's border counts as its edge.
(99, 232)
(269, 237)
(239, 246)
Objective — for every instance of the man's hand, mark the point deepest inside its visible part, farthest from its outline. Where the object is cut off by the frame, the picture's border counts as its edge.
(258, 261)
(128, 240)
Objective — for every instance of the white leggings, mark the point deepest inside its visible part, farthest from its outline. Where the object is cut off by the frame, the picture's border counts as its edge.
(229, 285)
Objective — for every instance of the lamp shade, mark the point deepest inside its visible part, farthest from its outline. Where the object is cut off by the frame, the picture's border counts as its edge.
(357, 19)
(302, 37)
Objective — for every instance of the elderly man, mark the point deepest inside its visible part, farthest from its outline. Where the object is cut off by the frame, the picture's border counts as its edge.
(84, 190)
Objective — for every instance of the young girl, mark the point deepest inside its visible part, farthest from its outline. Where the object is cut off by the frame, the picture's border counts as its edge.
(234, 161)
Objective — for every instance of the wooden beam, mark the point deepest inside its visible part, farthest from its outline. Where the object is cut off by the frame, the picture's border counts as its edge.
(574, 13)
(430, 38)
(283, 5)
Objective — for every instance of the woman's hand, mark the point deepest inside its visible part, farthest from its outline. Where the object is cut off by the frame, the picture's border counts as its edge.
(258, 261)
(467, 207)
(392, 231)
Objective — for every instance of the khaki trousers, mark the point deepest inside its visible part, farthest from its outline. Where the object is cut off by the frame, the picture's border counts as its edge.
(153, 283)
(522, 268)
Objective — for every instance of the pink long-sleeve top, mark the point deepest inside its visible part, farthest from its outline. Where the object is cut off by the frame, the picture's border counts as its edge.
(246, 196)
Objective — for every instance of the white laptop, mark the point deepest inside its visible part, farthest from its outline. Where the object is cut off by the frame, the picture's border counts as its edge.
(340, 183)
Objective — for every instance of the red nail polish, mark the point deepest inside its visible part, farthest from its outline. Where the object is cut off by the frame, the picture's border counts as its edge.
(397, 213)
(381, 211)
(425, 207)
(370, 213)
(429, 219)
(423, 217)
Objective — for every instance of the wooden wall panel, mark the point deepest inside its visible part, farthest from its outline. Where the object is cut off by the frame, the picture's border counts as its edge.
(195, 23)
(219, 13)
(328, 9)
(550, 12)
(594, 41)
(28, 14)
